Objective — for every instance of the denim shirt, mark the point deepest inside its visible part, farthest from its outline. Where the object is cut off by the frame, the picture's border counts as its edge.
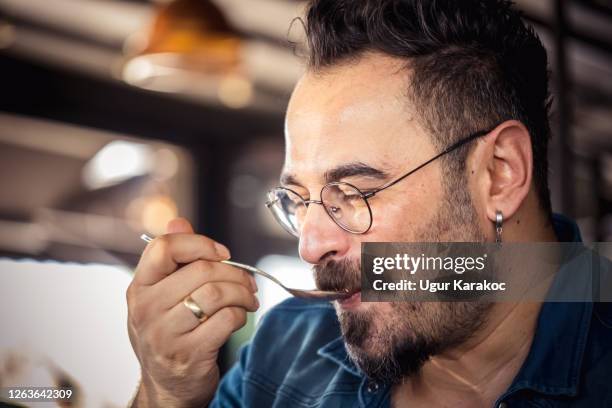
(297, 358)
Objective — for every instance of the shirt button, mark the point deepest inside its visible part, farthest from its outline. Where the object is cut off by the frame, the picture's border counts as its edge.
(373, 387)
(502, 405)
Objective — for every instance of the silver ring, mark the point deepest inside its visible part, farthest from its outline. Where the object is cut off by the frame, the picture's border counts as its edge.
(499, 221)
(195, 309)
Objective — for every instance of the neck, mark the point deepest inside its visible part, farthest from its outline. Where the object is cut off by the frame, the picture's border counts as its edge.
(477, 372)
(482, 369)
(529, 224)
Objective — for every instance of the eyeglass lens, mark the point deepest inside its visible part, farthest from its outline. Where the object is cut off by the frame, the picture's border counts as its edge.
(343, 203)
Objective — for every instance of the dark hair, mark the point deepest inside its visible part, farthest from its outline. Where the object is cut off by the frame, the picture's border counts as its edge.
(473, 64)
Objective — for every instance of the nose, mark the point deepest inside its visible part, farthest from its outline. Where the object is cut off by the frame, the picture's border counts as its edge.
(321, 239)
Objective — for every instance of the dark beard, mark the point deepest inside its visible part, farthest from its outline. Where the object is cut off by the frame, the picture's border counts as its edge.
(404, 359)
(389, 346)
(400, 347)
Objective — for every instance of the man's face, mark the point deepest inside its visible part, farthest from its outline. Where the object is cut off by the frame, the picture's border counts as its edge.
(356, 117)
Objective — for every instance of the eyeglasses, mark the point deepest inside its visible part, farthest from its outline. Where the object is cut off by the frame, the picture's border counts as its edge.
(345, 204)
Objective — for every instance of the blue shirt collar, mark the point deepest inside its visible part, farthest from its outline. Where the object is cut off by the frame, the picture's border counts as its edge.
(565, 229)
(335, 351)
(553, 364)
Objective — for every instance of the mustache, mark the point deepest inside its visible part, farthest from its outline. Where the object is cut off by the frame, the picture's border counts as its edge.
(342, 275)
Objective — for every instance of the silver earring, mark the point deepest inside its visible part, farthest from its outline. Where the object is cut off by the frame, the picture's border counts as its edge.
(499, 220)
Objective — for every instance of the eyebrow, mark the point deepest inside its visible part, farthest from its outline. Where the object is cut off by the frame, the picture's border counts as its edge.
(338, 173)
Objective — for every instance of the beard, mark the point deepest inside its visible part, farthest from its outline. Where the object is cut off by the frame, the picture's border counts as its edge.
(391, 341)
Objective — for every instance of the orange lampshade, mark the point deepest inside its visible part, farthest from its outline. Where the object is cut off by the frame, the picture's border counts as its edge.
(188, 45)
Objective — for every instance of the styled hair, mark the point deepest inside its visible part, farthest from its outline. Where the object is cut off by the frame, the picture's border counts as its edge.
(472, 64)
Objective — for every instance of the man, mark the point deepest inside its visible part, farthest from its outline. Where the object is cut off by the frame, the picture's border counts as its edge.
(456, 90)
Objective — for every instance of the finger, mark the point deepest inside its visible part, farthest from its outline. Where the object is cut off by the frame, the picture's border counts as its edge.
(211, 298)
(162, 256)
(178, 225)
(187, 279)
(215, 331)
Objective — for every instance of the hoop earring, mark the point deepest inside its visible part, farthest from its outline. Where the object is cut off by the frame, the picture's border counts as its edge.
(499, 220)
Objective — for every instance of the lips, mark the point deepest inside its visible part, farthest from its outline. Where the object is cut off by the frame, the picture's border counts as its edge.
(351, 302)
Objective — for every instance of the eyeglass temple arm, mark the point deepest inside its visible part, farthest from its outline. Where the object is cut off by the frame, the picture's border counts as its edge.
(449, 149)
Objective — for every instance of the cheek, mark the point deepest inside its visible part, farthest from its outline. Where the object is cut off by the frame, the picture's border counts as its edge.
(354, 252)
(400, 215)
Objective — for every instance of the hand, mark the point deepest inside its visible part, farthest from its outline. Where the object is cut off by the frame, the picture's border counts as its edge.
(177, 352)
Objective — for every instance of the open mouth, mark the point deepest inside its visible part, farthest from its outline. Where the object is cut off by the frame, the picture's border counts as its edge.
(353, 301)
(348, 289)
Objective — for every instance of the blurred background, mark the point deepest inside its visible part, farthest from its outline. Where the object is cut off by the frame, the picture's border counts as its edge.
(117, 115)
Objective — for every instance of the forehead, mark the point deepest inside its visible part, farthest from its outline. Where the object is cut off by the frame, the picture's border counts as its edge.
(354, 112)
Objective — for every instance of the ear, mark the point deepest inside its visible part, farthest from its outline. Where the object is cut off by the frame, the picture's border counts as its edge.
(508, 167)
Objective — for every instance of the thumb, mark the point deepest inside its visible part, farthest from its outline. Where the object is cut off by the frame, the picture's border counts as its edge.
(179, 225)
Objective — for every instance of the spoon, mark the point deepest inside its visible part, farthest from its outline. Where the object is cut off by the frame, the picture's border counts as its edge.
(314, 294)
